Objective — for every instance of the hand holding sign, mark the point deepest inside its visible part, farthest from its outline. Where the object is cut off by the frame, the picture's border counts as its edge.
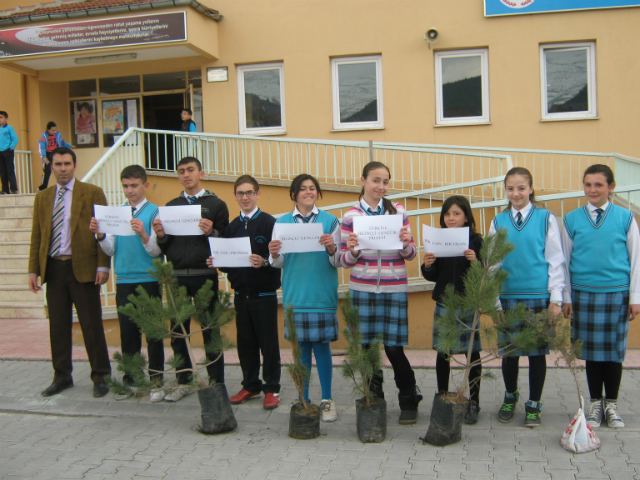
(230, 252)
(297, 238)
(445, 242)
(180, 220)
(380, 232)
(114, 220)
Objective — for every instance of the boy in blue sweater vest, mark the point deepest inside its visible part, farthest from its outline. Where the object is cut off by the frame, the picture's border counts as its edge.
(133, 258)
(8, 143)
(255, 299)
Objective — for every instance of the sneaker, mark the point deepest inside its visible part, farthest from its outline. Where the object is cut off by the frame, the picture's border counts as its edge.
(508, 407)
(594, 419)
(179, 394)
(329, 412)
(271, 400)
(611, 413)
(123, 396)
(471, 417)
(156, 396)
(532, 412)
(242, 396)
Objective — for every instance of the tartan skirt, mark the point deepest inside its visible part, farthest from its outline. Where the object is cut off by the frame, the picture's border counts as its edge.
(601, 321)
(382, 315)
(465, 336)
(315, 327)
(536, 305)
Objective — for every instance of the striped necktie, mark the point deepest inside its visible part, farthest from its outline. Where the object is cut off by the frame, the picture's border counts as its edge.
(303, 218)
(192, 199)
(377, 211)
(245, 219)
(519, 219)
(57, 223)
(133, 210)
(599, 211)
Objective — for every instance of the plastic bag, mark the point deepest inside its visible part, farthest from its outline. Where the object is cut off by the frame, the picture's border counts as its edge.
(579, 437)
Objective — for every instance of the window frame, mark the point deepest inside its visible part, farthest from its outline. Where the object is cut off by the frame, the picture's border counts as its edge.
(335, 89)
(242, 113)
(483, 119)
(590, 47)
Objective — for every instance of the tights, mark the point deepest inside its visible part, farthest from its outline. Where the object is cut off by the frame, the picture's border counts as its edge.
(608, 374)
(324, 364)
(443, 368)
(402, 371)
(537, 374)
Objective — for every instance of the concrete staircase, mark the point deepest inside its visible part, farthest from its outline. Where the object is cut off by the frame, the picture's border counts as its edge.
(16, 300)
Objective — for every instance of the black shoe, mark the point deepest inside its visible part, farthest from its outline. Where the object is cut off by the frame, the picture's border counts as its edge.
(100, 390)
(532, 410)
(408, 401)
(14, 193)
(3, 193)
(507, 411)
(471, 417)
(55, 388)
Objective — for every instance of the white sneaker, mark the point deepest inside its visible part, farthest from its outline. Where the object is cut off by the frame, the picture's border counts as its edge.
(611, 412)
(123, 396)
(156, 396)
(179, 394)
(329, 412)
(594, 419)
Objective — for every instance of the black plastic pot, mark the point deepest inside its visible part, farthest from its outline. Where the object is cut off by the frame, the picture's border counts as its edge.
(304, 424)
(217, 416)
(372, 420)
(445, 426)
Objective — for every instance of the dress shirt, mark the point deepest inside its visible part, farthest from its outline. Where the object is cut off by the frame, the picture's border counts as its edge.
(365, 206)
(197, 195)
(250, 214)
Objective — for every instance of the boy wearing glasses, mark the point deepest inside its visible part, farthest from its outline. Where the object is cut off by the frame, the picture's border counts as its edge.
(255, 299)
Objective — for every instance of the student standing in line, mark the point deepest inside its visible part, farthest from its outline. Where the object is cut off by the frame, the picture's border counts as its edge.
(310, 284)
(8, 144)
(601, 243)
(255, 299)
(378, 287)
(133, 259)
(47, 143)
(536, 278)
(456, 213)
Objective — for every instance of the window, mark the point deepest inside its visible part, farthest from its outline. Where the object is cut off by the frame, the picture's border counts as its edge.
(568, 76)
(156, 82)
(462, 87)
(120, 85)
(357, 93)
(261, 99)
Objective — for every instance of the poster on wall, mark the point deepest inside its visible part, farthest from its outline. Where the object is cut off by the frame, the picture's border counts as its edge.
(113, 117)
(519, 7)
(84, 121)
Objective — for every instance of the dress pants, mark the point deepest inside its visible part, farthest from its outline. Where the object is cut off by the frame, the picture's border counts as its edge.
(46, 172)
(8, 171)
(193, 283)
(64, 291)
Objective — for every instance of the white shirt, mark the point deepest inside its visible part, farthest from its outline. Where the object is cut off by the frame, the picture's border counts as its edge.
(366, 206)
(250, 214)
(334, 259)
(552, 253)
(197, 195)
(633, 243)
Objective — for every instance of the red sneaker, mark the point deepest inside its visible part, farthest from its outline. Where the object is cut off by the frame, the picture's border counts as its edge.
(242, 396)
(271, 400)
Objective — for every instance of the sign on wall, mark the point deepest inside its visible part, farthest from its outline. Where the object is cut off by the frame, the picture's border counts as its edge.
(518, 7)
(114, 32)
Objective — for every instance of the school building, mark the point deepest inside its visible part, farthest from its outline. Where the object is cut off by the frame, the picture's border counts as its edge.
(448, 94)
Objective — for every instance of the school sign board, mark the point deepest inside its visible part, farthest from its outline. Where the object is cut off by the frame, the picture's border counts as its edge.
(494, 8)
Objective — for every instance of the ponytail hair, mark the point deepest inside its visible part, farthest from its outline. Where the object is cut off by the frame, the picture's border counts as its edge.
(387, 205)
(525, 173)
(465, 206)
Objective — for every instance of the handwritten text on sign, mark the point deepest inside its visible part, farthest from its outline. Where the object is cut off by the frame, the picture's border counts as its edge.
(114, 220)
(379, 232)
(445, 242)
(230, 252)
(181, 220)
(298, 237)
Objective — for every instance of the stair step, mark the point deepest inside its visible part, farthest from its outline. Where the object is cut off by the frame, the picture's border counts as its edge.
(22, 199)
(22, 310)
(16, 210)
(13, 276)
(20, 293)
(14, 248)
(15, 222)
(15, 235)
(14, 261)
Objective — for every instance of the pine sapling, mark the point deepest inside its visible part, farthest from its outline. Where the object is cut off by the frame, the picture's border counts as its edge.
(299, 373)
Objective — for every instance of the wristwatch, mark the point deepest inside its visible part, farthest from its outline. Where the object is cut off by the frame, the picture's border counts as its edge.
(266, 262)
(557, 303)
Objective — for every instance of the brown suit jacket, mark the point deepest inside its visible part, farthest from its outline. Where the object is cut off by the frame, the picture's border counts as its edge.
(86, 254)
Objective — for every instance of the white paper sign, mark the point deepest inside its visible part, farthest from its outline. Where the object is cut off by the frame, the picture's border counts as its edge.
(298, 237)
(114, 220)
(378, 232)
(445, 242)
(181, 220)
(230, 252)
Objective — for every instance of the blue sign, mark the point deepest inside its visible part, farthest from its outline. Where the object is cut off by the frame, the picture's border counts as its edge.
(519, 7)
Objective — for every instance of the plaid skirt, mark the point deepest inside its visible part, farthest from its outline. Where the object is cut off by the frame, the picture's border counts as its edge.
(601, 321)
(382, 314)
(315, 327)
(465, 336)
(536, 305)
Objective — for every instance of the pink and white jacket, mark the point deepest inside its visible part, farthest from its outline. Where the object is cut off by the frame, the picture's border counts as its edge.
(377, 271)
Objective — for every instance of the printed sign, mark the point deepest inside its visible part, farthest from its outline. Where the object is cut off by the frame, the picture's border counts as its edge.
(298, 237)
(445, 242)
(518, 7)
(230, 252)
(113, 116)
(378, 232)
(181, 220)
(114, 220)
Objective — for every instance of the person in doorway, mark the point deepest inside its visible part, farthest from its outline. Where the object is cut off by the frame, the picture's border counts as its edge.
(47, 143)
(188, 125)
(8, 143)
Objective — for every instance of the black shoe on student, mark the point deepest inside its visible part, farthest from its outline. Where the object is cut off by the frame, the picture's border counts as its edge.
(507, 411)
(55, 388)
(409, 401)
(471, 417)
(100, 389)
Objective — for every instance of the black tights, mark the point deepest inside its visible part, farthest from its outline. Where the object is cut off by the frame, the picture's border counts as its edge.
(443, 368)
(537, 374)
(608, 374)
(402, 371)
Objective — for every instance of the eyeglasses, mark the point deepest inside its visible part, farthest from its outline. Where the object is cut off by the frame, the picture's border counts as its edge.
(249, 194)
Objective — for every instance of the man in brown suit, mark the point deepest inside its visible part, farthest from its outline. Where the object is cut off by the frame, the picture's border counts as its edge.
(65, 255)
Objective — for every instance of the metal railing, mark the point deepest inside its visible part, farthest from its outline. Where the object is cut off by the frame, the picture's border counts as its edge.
(24, 175)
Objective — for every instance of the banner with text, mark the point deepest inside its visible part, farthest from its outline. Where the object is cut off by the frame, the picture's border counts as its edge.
(298, 237)
(230, 252)
(445, 242)
(519, 7)
(378, 232)
(114, 220)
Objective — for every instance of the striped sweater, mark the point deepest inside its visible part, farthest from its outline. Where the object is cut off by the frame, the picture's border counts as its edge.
(377, 271)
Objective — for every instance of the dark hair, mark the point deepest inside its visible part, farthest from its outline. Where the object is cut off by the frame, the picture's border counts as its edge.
(50, 125)
(246, 179)
(525, 173)
(86, 105)
(296, 185)
(186, 160)
(599, 168)
(4, 114)
(387, 205)
(64, 151)
(188, 110)
(134, 171)
(465, 206)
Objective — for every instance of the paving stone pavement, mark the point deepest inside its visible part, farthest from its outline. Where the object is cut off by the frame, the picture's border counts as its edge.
(74, 435)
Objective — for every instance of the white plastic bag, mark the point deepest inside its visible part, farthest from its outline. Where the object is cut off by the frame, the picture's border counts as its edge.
(579, 437)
